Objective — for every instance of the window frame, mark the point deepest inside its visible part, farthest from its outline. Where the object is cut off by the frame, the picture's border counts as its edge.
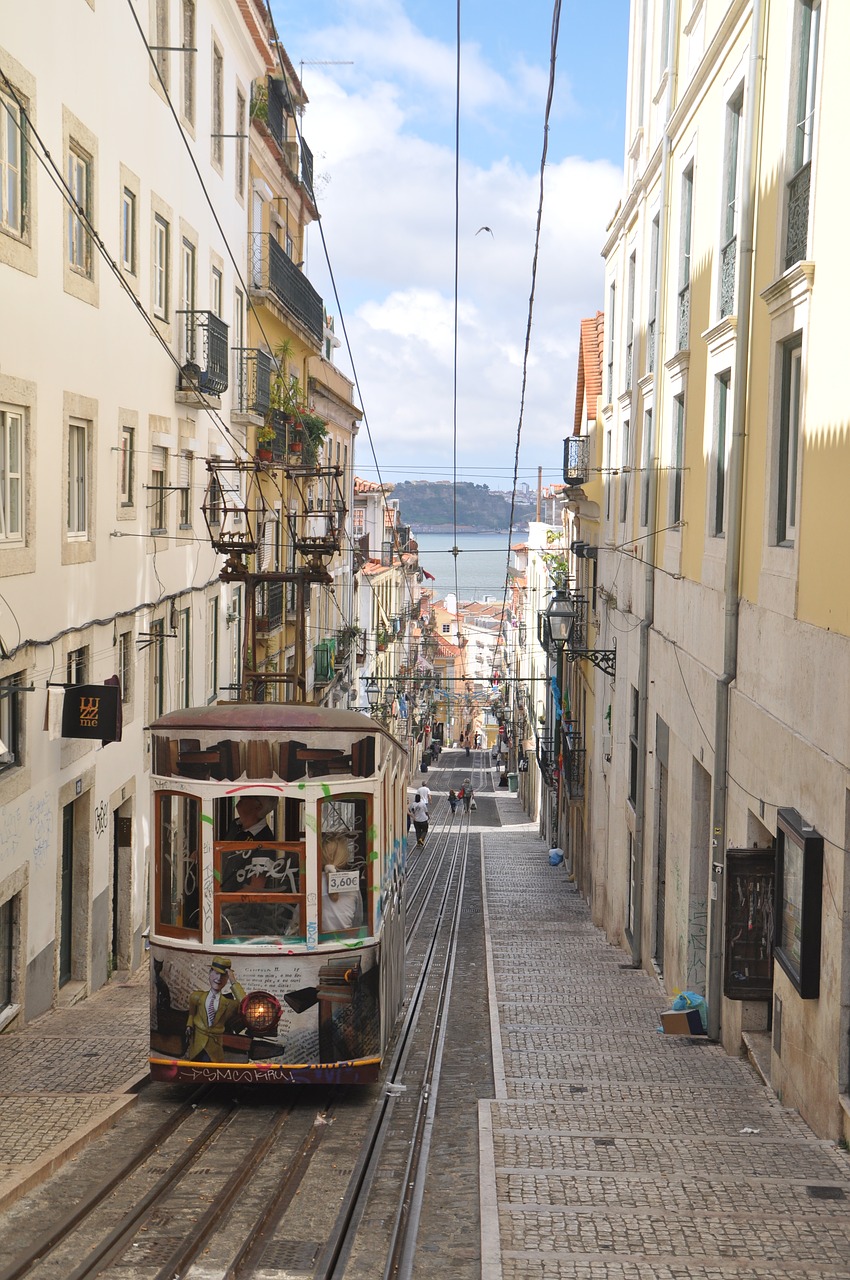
(9, 476)
(167, 929)
(127, 465)
(161, 266)
(189, 85)
(183, 685)
(78, 513)
(129, 230)
(677, 459)
(79, 181)
(158, 503)
(721, 449)
(789, 438)
(11, 722)
(13, 114)
(217, 108)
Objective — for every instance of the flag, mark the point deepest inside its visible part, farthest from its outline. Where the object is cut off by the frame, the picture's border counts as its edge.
(429, 576)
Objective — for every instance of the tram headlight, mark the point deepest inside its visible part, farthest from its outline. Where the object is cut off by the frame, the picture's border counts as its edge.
(261, 1012)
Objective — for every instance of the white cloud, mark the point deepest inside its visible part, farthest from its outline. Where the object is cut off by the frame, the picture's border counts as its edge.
(387, 201)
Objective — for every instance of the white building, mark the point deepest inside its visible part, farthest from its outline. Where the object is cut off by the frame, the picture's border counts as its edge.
(123, 249)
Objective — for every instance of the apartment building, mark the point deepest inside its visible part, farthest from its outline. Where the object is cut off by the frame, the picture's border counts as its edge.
(723, 454)
(123, 244)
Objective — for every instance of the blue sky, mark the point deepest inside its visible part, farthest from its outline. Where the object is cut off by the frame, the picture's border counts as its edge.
(380, 75)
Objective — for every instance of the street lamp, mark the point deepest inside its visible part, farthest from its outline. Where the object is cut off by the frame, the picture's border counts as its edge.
(560, 618)
(372, 692)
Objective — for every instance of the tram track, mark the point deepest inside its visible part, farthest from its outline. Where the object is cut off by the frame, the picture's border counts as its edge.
(214, 1191)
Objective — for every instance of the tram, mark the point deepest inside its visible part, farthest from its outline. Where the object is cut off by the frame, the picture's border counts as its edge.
(277, 922)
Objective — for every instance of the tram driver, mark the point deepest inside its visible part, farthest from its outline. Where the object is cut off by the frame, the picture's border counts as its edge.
(257, 869)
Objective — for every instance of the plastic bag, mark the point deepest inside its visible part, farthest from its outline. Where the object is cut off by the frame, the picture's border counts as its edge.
(691, 1000)
(556, 857)
(472, 803)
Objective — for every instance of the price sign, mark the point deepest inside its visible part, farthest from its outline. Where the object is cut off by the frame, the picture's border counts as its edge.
(343, 882)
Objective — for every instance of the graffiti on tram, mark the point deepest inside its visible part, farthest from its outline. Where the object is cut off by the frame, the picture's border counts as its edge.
(259, 1010)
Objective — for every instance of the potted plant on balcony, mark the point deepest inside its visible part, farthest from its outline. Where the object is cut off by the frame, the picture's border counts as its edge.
(265, 440)
(382, 639)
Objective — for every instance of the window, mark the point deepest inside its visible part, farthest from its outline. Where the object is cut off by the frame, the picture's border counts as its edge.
(634, 720)
(217, 107)
(624, 473)
(127, 465)
(8, 946)
(646, 467)
(216, 291)
(156, 668)
(11, 474)
(677, 460)
(729, 230)
(212, 649)
(240, 142)
(664, 45)
(608, 473)
(78, 479)
(79, 213)
(612, 306)
(184, 484)
(161, 40)
(187, 297)
(721, 452)
(685, 229)
(11, 722)
(343, 863)
(654, 236)
(630, 322)
(12, 171)
(77, 665)
(799, 185)
(178, 844)
(157, 494)
(799, 884)
(125, 665)
(189, 60)
(789, 437)
(161, 266)
(183, 692)
(128, 231)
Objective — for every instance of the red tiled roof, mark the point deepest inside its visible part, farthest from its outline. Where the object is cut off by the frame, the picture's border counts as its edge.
(370, 486)
(589, 373)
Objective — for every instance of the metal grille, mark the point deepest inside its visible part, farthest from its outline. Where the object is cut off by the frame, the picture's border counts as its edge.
(207, 352)
(575, 460)
(650, 347)
(273, 271)
(796, 240)
(307, 168)
(685, 318)
(253, 370)
(292, 1255)
(728, 255)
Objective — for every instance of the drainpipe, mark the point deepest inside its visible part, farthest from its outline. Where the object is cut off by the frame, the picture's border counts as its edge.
(733, 542)
(652, 498)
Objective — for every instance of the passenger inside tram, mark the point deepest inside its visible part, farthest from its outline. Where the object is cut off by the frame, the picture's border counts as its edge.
(253, 862)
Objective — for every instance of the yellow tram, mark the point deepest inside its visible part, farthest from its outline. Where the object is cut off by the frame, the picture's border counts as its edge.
(277, 922)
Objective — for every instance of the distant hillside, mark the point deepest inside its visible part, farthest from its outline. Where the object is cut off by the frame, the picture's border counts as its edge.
(428, 506)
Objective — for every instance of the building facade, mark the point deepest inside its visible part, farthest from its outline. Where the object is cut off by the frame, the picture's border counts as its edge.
(722, 448)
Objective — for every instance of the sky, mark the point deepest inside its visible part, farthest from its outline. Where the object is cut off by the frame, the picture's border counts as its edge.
(381, 78)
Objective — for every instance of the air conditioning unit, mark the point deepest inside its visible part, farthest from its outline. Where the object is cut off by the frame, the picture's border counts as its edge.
(606, 745)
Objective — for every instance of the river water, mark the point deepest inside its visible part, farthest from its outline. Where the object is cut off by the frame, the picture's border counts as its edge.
(481, 563)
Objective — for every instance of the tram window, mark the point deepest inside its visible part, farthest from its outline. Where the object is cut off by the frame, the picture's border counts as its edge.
(177, 863)
(259, 878)
(343, 865)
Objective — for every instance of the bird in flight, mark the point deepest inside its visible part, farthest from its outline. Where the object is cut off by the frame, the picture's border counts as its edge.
(480, 229)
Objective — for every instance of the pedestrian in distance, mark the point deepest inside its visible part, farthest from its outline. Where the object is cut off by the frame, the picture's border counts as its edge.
(419, 814)
(425, 793)
(466, 794)
(453, 801)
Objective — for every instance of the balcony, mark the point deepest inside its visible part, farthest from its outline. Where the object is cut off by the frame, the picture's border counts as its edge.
(575, 460)
(252, 375)
(323, 661)
(797, 232)
(684, 332)
(204, 353)
(269, 607)
(728, 257)
(547, 759)
(650, 346)
(273, 272)
(574, 757)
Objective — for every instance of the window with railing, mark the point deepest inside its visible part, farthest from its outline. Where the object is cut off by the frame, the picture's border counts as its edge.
(806, 69)
(731, 185)
(652, 312)
(612, 309)
(686, 227)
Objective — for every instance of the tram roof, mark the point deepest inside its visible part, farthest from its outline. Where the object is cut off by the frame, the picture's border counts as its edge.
(265, 717)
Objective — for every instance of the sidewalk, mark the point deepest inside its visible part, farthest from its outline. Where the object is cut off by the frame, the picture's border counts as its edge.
(66, 1077)
(613, 1151)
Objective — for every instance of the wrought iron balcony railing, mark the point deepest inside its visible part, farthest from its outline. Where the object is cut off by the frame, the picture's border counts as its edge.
(269, 607)
(575, 460)
(252, 370)
(650, 346)
(273, 271)
(204, 352)
(684, 318)
(728, 256)
(547, 759)
(573, 757)
(797, 233)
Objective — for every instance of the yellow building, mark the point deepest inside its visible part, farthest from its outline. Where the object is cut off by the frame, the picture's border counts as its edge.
(725, 463)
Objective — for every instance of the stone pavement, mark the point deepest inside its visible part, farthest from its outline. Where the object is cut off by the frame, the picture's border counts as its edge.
(66, 1077)
(609, 1152)
(612, 1151)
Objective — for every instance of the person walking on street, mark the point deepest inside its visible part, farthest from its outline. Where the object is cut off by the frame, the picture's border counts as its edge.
(453, 801)
(425, 793)
(467, 794)
(419, 814)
